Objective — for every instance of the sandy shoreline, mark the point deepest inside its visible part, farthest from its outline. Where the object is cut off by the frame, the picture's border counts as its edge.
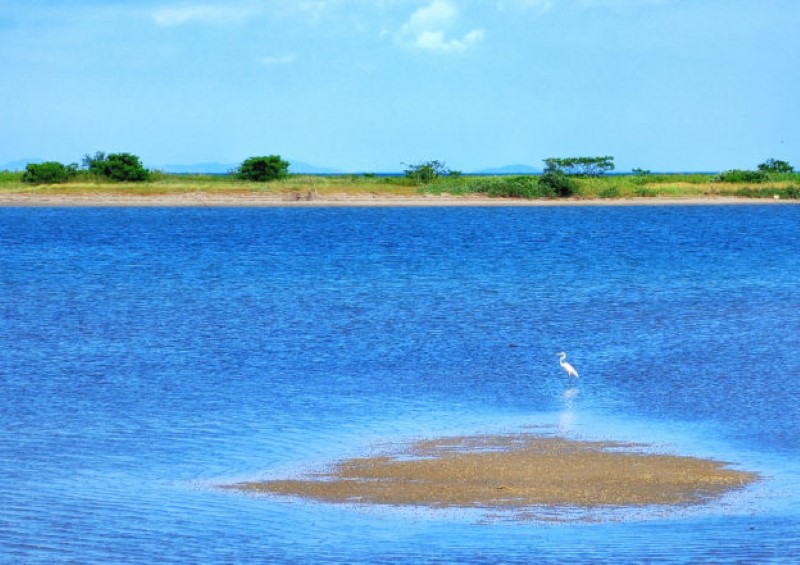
(271, 199)
(518, 472)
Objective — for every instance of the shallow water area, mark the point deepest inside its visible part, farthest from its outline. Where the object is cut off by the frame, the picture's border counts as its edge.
(149, 355)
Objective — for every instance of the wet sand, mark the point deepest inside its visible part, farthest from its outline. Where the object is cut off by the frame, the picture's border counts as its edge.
(514, 472)
(283, 199)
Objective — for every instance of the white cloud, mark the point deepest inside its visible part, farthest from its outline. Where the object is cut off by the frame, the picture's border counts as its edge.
(439, 13)
(622, 3)
(271, 60)
(309, 11)
(436, 41)
(427, 29)
(202, 13)
(540, 6)
(313, 9)
(543, 6)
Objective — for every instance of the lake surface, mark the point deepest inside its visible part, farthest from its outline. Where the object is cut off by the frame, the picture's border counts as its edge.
(149, 355)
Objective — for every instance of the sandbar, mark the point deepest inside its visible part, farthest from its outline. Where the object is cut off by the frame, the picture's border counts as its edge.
(514, 472)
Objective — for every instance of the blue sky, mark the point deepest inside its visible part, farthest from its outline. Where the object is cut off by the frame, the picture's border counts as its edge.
(362, 85)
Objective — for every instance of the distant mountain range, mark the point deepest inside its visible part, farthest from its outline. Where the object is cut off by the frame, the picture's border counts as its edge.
(19, 164)
(509, 170)
(301, 168)
(296, 167)
(198, 168)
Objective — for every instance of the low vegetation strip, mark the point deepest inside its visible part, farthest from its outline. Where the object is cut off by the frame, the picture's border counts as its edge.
(783, 186)
(572, 177)
(514, 472)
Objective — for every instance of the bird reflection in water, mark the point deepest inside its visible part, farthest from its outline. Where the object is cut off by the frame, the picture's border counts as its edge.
(567, 417)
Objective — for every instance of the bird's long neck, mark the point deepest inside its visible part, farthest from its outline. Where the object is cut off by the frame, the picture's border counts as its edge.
(562, 357)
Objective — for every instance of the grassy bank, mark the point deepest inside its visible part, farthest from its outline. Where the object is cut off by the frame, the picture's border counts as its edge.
(627, 186)
(164, 183)
(785, 186)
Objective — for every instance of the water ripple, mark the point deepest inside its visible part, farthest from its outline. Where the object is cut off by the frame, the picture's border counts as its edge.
(149, 355)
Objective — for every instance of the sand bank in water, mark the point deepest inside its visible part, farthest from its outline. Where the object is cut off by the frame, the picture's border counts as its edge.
(515, 472)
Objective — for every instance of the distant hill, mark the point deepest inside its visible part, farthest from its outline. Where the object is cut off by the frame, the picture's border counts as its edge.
(19, 164)
(197, 168)
(295, 167)
(300, 168)
(509, 170)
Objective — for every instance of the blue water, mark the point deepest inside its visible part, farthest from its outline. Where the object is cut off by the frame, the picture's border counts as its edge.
(149, 355)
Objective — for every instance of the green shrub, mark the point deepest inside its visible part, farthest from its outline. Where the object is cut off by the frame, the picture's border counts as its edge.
(751, 193)
(8, 177)
(640, 176)
(775, 166)
(49, 172)
(792, 192)
(156, 176)
(556, 183)
(517, 187)
(426, 172)
(448, 185)
(118, 167)
(580, 166)
(609, 192)
(737, 175)
(263, 169)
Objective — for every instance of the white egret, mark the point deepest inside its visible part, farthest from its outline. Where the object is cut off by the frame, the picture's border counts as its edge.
(569, 369)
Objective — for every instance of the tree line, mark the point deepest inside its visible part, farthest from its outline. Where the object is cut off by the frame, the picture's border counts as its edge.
(126, 167)
(555, 180)
(115, 167)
